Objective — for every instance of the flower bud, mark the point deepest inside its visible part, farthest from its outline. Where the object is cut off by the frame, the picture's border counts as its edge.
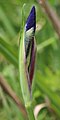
(27, 55)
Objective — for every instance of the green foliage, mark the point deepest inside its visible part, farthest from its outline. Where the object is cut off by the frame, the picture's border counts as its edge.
(47, 73)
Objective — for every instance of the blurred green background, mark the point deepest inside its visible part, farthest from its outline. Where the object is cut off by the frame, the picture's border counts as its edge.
(47, 73)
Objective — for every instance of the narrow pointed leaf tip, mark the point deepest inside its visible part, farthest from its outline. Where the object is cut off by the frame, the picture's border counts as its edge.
(31, 20)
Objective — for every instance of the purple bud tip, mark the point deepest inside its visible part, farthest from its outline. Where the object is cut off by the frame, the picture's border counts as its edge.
(31, 20)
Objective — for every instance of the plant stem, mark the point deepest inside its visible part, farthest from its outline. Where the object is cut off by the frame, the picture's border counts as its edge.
(12, 94)
(51, 15)
(30, 112)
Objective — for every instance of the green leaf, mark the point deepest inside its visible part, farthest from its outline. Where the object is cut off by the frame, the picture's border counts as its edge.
(45, 43)
(9, 52)
(22, 71)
